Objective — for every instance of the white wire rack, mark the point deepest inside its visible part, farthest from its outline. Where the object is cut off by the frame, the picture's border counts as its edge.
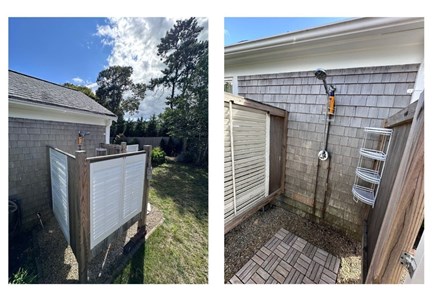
(368, 179)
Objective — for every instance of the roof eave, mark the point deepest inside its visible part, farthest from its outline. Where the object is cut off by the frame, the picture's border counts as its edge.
(64, 109)
(331, 31)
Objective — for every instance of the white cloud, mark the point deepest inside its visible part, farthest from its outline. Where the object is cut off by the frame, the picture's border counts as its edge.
(134, 43)
(77, 80)
(93, 86)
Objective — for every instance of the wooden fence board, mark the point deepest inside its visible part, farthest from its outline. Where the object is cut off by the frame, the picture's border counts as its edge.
(276, 160)
(254, 104)
(376, 216)
(404, 213)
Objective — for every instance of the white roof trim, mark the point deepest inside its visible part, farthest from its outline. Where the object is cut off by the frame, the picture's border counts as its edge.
(37, 111)
(353, 43)
(335, 30)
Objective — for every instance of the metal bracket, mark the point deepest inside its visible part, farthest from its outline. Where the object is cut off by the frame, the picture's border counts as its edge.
(408, 261)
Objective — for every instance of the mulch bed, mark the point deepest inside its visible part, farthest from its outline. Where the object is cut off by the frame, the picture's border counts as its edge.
(242, 242)
(57, 264)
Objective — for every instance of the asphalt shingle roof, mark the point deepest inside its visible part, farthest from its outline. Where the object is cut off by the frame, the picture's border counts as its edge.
(30, 89)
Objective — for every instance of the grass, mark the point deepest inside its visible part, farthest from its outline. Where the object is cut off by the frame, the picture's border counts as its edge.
(22, 276)
(177, 252)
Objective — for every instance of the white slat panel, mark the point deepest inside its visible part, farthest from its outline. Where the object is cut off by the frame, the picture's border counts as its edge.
(250, 152)
(59, 190)
(132, 148)
(106, 195)
(228, 189)
(133, 186)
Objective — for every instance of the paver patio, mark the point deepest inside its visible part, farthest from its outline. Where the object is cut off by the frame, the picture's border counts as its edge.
(288, 259)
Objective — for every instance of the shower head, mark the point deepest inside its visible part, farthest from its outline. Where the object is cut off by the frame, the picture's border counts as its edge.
(320, 74)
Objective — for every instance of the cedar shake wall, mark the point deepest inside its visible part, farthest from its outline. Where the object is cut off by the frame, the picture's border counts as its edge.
(29, 168)
(364, 97)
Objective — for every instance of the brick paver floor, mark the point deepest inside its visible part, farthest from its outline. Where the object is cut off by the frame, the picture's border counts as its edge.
(288, 259)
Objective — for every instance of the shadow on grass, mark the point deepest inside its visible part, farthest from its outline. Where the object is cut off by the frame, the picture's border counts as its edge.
(136, 275)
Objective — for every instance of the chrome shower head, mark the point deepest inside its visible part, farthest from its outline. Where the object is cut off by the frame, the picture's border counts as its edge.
(320, 74)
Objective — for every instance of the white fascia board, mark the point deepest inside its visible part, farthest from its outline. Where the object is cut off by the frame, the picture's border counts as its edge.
(26, 110)
(412, 54)
(359, 42)
(336, 31)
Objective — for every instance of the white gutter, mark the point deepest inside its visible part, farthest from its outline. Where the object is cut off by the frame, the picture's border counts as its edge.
(350, 27)
(58, 109)
(44, 112)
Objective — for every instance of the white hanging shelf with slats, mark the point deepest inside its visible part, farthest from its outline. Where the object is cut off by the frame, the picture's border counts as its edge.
(367, 180)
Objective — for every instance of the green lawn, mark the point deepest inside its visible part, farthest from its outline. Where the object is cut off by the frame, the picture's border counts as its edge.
(177, 252)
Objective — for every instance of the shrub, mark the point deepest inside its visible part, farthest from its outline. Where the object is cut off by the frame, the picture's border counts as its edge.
(157, 156)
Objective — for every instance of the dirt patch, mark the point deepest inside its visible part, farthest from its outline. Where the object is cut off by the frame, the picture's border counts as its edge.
(57, 264)
(243, 241)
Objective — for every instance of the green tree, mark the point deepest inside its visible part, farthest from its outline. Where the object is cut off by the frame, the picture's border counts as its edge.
(141, 127)
(130, 126)
(186, 73)
(86, 90)
(152, 127)
(189, 120)
(118, 127)
(179, 50)
(117, 92)
(161, 126)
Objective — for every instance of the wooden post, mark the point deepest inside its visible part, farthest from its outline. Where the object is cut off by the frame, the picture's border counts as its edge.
(404, 214)
(146, 185)
(284, 151)
(123, 147)
(82, 210)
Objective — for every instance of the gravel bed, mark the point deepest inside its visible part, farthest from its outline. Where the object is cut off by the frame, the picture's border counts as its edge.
(57, 264)
(242, 242)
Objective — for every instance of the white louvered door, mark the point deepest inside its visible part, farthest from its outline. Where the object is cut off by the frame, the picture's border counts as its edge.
(246, 158)
(133, 186)
(59, 190)
(116, 188)
(106, 185)
(228, 168)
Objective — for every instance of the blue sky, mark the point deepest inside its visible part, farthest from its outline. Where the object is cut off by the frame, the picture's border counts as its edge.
(75, 50)
(57, 49)
(251, 28)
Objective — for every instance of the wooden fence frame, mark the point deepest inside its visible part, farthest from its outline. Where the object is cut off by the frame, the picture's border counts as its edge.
(79, 205)
(405, 210)
(273, 111)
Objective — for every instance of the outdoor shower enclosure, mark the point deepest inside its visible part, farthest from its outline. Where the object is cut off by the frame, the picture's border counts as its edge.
(255, 146)
(95, 199)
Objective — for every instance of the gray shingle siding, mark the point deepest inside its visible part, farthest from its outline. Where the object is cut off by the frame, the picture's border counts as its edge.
(29, 171)
(364, 97)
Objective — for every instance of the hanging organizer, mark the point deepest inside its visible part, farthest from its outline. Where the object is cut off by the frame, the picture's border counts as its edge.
(367, 180)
